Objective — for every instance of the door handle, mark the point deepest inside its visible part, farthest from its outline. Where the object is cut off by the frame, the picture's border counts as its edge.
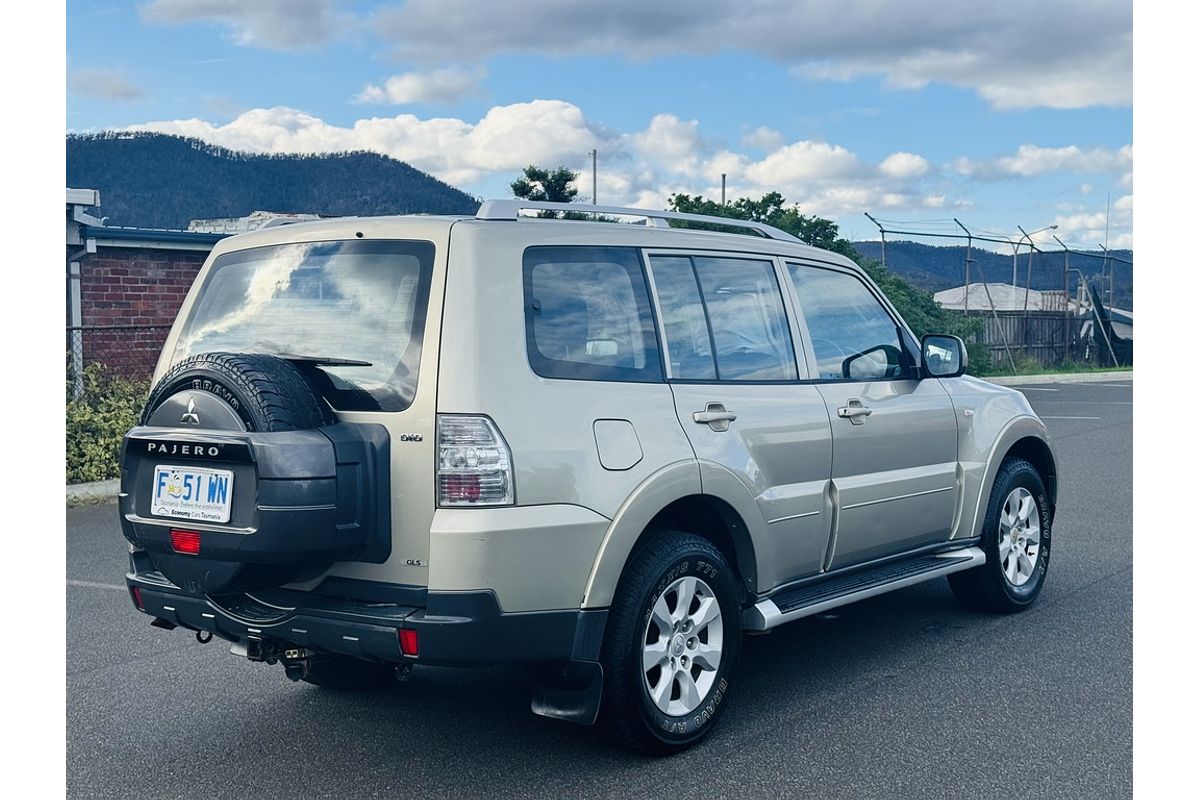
(854, 411)
(714, 416)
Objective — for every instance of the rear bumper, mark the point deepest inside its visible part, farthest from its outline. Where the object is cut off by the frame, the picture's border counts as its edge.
(453, 628)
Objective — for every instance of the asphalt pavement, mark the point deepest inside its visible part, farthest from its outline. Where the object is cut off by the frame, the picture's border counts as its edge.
(903, 695)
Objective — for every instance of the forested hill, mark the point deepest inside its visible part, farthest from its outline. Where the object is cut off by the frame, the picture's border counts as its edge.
(936, 268)
(159, 181)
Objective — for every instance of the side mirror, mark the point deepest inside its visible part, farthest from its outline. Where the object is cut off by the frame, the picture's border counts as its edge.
(943, 356)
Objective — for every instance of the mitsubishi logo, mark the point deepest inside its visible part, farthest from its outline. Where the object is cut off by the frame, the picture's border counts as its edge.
(190, 417)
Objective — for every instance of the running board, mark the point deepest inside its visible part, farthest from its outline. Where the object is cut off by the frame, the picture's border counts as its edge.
(814, 598)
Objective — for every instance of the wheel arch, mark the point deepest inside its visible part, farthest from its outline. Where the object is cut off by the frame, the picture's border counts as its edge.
(672, 499)
(1024, 437)
(1038, 453)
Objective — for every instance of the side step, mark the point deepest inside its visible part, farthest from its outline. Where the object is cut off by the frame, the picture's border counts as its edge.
(814, 598)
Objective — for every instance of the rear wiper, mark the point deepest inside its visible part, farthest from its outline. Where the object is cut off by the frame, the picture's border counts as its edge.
(324, 361)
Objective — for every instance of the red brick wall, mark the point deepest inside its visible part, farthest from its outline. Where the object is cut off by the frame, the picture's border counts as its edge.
(136, 286)
(129, 299)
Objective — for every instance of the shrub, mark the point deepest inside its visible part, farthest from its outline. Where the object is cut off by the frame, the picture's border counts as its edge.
(97, 419)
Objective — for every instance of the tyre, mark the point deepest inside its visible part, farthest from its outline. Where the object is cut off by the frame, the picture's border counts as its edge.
(345, 673)
(671, 644)
(228, 391)
(1016, 538)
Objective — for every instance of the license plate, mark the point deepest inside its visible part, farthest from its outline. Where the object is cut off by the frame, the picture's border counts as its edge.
(205, 495)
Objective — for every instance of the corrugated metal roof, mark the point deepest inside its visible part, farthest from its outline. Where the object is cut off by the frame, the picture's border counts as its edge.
(1004, 297)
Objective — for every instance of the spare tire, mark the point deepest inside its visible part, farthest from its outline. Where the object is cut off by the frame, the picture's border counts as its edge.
(232, 391)
(266, 429)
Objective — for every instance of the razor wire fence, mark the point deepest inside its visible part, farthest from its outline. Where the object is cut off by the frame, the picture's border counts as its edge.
(1041, 302)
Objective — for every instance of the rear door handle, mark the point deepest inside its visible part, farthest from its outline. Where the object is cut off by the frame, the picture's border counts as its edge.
(714, 416)
(855, 411)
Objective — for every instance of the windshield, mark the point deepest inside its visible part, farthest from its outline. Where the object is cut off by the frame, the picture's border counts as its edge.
(359, 301)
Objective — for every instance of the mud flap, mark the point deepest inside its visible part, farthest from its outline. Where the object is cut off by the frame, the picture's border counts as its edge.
(569, 692)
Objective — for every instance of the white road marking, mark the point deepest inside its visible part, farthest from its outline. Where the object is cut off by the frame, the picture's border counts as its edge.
(1047, 416)
(95, 585)
(1035, 389)
(1116, 385)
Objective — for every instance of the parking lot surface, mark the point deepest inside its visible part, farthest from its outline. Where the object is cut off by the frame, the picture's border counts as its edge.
(903, 695)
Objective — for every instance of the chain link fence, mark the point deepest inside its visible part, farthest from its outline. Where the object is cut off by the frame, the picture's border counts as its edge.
(129, 352)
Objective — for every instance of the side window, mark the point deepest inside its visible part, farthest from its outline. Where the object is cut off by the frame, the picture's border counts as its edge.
(853, 336)
(746, 337)
(688, 343)
(587, 315)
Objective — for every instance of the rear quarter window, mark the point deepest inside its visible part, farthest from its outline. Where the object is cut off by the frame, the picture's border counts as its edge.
(587, 315)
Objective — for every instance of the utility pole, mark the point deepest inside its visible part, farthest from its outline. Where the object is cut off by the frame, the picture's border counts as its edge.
(882, 241)
(1066, 299)
(1028, 281)
(966, 269)
(1111, 287)
(988, 292)
(593, 176)
(722, 188)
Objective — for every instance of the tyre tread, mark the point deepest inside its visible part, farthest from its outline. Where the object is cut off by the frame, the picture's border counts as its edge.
(621, 697)
(981, 588)
(274, 388)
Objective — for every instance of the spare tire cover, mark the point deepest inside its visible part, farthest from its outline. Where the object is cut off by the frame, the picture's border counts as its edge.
(233, 392)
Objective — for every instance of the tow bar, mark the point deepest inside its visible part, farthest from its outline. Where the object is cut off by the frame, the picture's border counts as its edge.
(296, 660)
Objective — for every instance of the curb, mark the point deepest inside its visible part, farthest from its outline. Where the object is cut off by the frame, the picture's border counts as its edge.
(97, 492)
(1062, 377)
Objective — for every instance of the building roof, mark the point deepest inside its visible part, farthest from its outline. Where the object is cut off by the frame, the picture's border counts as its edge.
(1004, 297)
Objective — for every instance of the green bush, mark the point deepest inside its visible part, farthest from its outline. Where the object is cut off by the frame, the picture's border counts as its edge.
(97, 419)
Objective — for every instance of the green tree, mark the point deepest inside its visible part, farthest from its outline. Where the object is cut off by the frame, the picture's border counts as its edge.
(554, 186)
(917, 306)
(771, 209)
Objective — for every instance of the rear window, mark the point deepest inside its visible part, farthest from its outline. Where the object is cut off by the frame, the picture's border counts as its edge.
(360, 301)
(587, 315)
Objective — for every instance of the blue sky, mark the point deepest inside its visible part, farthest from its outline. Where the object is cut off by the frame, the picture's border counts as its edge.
(918, 111)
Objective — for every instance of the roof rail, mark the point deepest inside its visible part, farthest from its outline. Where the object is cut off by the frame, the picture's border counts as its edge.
(511, 210)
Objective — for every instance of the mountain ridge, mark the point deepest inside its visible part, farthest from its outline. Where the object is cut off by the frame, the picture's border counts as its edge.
(162, 181)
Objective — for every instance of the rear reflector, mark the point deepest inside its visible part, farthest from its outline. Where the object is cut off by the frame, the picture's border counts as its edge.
(137, 598)
(408, 642)
(186, 542)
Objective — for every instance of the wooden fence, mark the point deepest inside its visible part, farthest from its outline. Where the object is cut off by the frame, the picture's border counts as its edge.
(1047, 337)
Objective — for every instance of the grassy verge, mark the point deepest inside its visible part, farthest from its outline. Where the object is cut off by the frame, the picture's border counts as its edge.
(1028, 366)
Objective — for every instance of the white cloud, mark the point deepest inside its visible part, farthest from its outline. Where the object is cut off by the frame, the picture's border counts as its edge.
(1087, 228)
(644, 167)
(763, 138)
(440, 86)
(904, 165)
(505, 140)
(271, 24)
(804, 161)
(1017, 54)
(107, 84)
(1031, 160)
(674, 143)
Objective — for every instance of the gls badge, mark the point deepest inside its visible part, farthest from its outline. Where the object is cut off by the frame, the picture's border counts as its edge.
(411, 437)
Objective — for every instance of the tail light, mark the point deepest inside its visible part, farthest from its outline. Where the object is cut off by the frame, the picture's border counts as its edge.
(137, 598)
(474, 463)
(408, 642)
